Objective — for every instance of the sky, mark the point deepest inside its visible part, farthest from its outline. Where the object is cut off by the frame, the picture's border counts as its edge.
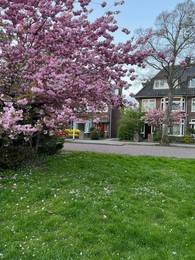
(135, 14)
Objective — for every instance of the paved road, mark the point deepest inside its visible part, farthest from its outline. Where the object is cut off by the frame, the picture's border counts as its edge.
(132, 149)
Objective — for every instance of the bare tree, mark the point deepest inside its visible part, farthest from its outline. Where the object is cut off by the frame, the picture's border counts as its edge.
(172, 40)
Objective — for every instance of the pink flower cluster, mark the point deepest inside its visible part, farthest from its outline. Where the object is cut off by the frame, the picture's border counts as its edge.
(155, 117)
(55, 64)
(10, 119)
(161, 55)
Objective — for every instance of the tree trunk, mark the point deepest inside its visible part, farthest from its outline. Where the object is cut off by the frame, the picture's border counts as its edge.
(37, 142)
(165, 137)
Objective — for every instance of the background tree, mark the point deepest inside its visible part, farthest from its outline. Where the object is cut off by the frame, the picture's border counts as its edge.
(55, 64)
(172, 39)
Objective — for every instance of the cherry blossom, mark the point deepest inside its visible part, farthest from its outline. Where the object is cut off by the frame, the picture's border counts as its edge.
(155, 117)
(55, 63)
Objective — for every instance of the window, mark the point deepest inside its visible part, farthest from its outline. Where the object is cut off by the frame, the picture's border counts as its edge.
(178, 103)
(193, 105)
(83, 126)
(192, 123)
(177, 129)
(160, 84)
(164, 103)
(191, 83)
(176, 84)
(148, 104)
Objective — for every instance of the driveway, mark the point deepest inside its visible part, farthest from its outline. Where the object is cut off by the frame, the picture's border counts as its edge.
(131, 149)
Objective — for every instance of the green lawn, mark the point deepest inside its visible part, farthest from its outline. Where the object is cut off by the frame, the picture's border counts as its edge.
(99, 206)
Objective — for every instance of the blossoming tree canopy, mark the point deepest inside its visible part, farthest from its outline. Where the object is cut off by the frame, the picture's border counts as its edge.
(154, 117)
(55, 63)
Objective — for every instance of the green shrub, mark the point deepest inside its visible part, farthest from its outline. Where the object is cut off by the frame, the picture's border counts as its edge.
(95, 135)
(127, 130)
(18, 151)
(191, 131)
(187, 139)
(50, 144)
(130, 124)
(157, 137)
(181, 139)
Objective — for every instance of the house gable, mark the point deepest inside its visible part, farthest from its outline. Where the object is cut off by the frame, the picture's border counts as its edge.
(156, 90)
(157, 87)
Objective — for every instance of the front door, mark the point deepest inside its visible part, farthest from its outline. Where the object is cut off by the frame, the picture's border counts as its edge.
(147, 131)
(101, 129)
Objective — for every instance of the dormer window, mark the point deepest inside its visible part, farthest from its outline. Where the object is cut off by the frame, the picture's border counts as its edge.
(191, 83)
(160, 84)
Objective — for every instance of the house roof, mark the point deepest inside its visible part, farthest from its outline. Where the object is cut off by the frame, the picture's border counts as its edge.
(188, 72)
(148, 91)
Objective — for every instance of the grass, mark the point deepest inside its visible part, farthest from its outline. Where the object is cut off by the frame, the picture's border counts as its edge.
(99, 206)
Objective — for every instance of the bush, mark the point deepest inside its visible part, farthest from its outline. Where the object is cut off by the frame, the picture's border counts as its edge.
(126, 130)
(191, 131)
(50, 144)
(187, 139)
(14, 156)
(18, 151)
(130, 124)
(95, 135)
(157, 135)
(181, 139)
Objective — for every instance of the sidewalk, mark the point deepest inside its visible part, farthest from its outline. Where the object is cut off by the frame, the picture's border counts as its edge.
(116, 142)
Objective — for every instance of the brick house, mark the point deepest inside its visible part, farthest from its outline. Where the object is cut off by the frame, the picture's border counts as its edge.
(154, 94)
(108, 123)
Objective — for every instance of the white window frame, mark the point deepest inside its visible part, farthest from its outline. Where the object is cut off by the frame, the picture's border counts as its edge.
(149, 104)
(191, 83)
(164, 102)
(176, 84)
(192, 123)
(87, 125)
(160, 84)
(193, 105)
(180, 125)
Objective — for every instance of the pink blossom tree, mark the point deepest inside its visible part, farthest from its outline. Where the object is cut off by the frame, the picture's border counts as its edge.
(155, 117)
(55, 64)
